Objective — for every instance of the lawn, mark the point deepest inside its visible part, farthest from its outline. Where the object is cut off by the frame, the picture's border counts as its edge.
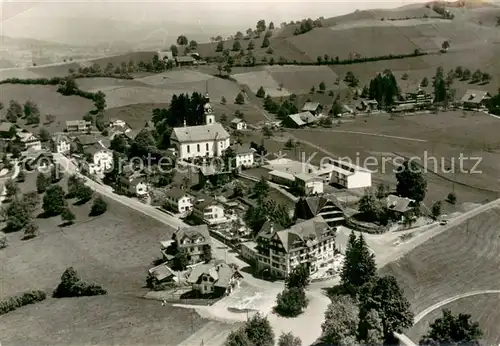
(443, 136)
(485, 309)
(134, 115)
(114, 250)
(460, 260)
(48, 100)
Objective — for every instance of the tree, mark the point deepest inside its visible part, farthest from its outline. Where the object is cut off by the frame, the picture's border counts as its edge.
(436, 210)
(370, 206)
(439, 85)
(119, 144)
(270, 50)
(453, 330)
(84, 193)
(11, 188)
(174, 50)
(259, 330)
(193, 44)
(371, 330)
(68, 216)
(238, 337)
(31, 112)
(351, 79)
(251, 45)
(182, 40)
(341, 320)
(30, 200)
(424, 83)
(291, 302)
(49, 118)
(206, 255)
(261, 93)
(100, 101)
(53, 202)
(261, 25)
(261, 188)
(42, 183)
(99, 207)
(486, 78)
(265, 43)
(322, 87)
(30, 231)
(227, 68)
(44, 135)
(14, 111)
(288, 339)
(382, 190)
(411, 181)
(236, 46)
(72, 286)
(384, 295)
(445, 45)
(452, 198)
(476, 76)
(21, 177)
(238, 36)
(55, 174)
(466, 74)
(17, 215)
(220, 46)
(359, 264)
(298, 278)
(240, 99)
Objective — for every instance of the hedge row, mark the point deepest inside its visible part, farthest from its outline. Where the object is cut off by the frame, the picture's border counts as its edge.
(16, 302)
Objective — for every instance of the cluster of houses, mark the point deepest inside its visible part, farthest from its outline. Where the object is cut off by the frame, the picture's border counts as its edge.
(185, 60)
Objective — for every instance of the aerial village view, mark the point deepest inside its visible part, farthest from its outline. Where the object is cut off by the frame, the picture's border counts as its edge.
(321, 181)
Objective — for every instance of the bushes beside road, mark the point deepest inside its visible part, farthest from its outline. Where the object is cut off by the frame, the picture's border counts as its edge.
(13, 303)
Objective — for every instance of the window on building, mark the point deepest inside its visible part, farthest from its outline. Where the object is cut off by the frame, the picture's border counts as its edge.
(198, 147)
(206, 146)
(188, 149)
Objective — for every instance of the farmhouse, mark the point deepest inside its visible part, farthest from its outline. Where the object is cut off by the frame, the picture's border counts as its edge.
(349, 175)
(101, 158)
(195, 241)
(238, 124)
(299, 120)
(216, 279)
(184, 60)
(400, 208)
(244, 154)
(315, 108)
(135, 186)
(78, 125)
(368, 105)
(209, 211)
(475, 99)
(60, 144)
(327, 206)
(309, 242)
(29, 140)
(179, 200)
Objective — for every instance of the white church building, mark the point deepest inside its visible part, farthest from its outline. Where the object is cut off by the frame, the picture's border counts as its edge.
(207, 140)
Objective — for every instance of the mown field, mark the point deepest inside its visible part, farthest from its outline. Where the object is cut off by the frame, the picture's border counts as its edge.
(485, 309)
(461, 260)
(437, 139)
(114, 250)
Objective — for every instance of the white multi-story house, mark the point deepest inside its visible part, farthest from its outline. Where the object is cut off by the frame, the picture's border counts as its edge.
(179, 200)
(61, 144)
(350, 176)
(216, 279)
(310, 242)
(195, 241)
(209, 211)
(78, 125)
(244, 155)
(309, 184)
(102, 158)
(207, 140)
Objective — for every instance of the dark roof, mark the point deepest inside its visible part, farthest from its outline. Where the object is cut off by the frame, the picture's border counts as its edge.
(205, 203)
(176, 192)
(94, 148)
(194, 232)
(316, 203)
(86, 139)
(244, 148)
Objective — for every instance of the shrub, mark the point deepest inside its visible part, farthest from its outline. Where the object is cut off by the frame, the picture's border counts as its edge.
(72, 286)
(16, 302)
(291, 302)
(452, 198)
(99, 207)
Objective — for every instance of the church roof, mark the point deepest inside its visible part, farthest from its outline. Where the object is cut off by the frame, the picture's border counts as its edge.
(200, 133)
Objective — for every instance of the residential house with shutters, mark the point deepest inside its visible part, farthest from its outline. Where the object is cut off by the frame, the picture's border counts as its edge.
(209, 210)
(60, 144)
(179, 200)
(28, 140)
(475, 99)
(216, 279)
(308, 242)
(195, 241)
(244, 155)
(400, 208)
(135, 185)
(209, 140)
(238, 124)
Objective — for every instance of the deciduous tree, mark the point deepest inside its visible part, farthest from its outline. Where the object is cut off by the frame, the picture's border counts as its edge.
(42, 182)
(259, 330)
(53, 201)
(98, 207)
(341, 321)
(298, 278)
(288, 339)
(182, 40)
(411, 181)
(68, 216)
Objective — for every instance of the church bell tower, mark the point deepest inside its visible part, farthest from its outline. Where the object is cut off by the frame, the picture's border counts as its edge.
(208, 111)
